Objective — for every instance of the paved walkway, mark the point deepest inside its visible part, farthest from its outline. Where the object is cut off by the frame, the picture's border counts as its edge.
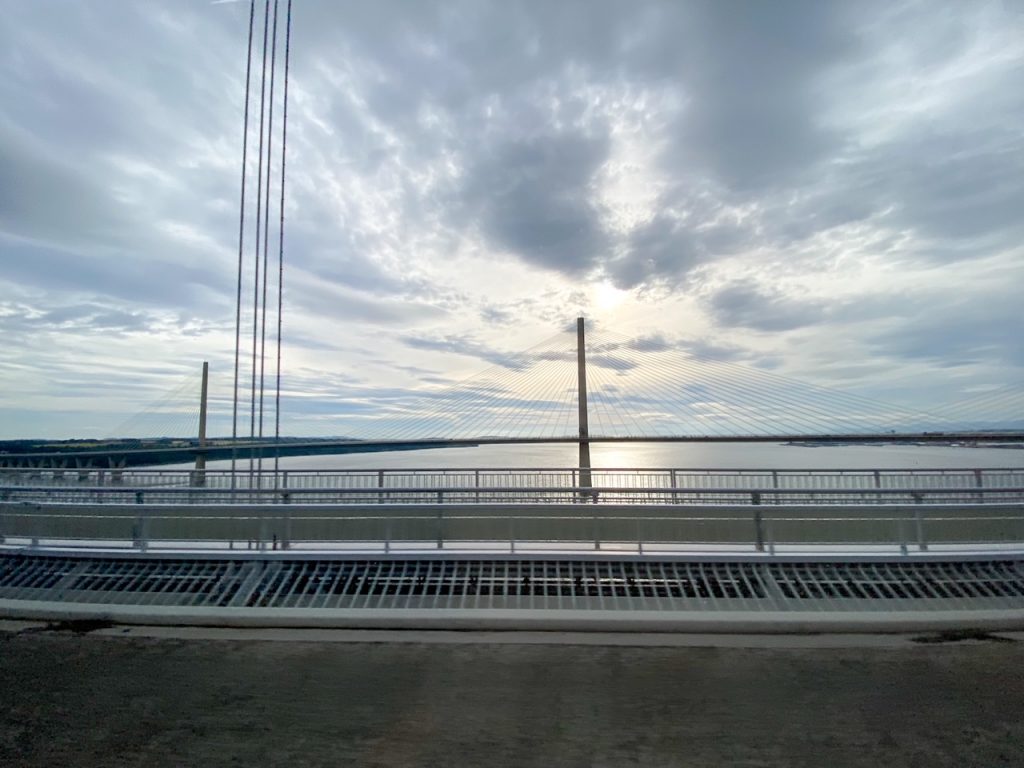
(117, 698)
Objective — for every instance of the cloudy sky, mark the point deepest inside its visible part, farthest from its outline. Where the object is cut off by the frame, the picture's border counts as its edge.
(833, 192)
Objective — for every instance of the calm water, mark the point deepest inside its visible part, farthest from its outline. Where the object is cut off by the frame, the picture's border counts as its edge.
(681, 455)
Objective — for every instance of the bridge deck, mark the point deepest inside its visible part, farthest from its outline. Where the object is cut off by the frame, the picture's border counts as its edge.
(124, 456)
(542, 593)
(644, 549)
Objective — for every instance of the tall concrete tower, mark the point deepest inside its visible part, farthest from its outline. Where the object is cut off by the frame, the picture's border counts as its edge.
(581, 376)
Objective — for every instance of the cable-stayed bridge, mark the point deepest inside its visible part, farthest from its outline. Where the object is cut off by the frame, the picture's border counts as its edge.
(85, 535)
(575, 387)
(573, 547)
(638, 388)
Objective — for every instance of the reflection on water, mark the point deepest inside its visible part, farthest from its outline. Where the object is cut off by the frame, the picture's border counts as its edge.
(675, 455)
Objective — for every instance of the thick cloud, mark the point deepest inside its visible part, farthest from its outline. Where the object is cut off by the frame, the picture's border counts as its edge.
(533, 198)
(465, 177)
(745, 304)
(961, 333)
(464, 345)
(754, 80)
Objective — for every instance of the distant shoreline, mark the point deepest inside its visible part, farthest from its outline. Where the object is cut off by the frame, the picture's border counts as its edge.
(914, 443)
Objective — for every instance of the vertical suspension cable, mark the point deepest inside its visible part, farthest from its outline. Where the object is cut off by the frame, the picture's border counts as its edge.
(266, 229)
(280, 241)
(259, 213)
(241, 243)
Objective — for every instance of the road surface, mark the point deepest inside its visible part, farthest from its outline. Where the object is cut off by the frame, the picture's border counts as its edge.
(116, 698)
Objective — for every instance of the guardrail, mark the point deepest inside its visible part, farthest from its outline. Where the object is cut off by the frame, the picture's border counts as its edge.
(384, 508)
(488, 484)
(519, 478)
(382, 527)
(590, 494)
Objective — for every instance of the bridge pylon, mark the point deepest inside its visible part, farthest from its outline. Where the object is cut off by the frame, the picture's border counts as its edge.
(199, 476)
(581, 388)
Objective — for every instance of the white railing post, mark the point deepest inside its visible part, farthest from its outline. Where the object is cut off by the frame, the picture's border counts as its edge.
(902, 532)
(922, 544)
(140, 537)
(755, 500)
(286, 531)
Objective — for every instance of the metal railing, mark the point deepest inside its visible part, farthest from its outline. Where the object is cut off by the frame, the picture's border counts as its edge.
(641, 508)
(509, 482)
(479, 494)
(580, 584)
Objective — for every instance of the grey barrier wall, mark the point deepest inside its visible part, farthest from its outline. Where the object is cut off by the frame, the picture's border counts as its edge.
(148, 508)
(438, 525)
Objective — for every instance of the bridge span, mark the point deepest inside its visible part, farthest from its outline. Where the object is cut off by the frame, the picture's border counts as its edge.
(124, 457)
(86, 535)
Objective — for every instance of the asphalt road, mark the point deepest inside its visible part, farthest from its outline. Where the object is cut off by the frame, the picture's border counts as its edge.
(91, 700)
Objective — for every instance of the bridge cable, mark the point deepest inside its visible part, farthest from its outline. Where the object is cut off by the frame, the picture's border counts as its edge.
(525, 421)
(683, 370)
(266, 232)
(280, 242)
(702, 403)
(468, 400)
(687, 412)
(712, 390)
(824, 404)
(241, 244)
(169, 415)
(989, 406)
(511, 412)
(640, 394)
(259, 218)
